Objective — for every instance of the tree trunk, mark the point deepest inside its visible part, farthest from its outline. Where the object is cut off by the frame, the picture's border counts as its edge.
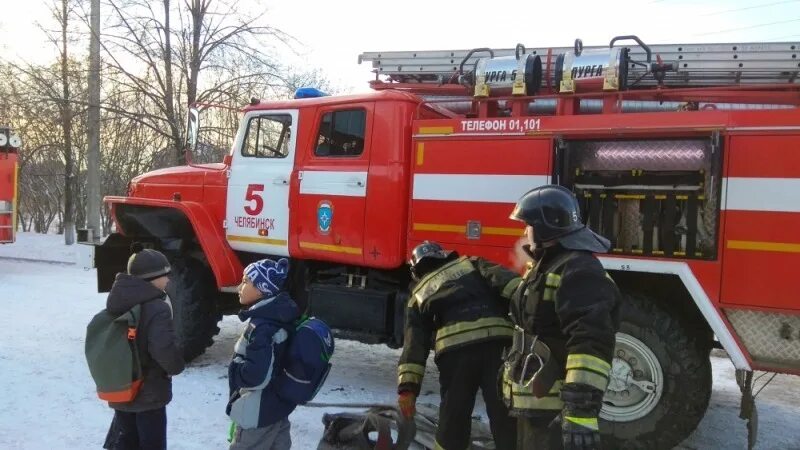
(93, 201)
(198, 13)
(66, 123)
(169, 98)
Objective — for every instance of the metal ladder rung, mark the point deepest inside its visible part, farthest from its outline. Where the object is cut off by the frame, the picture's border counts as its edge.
(695, 64)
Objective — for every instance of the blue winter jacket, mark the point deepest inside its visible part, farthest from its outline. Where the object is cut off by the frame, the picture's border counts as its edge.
(257, 359)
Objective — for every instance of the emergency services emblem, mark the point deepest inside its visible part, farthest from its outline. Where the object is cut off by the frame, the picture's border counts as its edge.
(324, 217)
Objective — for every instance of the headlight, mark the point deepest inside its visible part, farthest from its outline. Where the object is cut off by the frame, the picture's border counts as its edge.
(15, 141)
(3, 139)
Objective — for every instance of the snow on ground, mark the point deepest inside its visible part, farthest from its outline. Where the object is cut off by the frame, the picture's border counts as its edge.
(42, 247)
(47, 398)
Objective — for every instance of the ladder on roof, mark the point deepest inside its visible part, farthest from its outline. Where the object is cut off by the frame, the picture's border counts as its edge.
(668, 65)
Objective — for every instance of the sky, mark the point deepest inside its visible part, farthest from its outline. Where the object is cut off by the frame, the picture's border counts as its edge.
(331, 34)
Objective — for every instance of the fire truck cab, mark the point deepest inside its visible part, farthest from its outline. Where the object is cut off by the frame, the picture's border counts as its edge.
(686, 157)
(10, 145)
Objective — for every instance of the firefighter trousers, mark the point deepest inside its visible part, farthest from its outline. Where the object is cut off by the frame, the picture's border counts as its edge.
(461, 373)
(538, 434)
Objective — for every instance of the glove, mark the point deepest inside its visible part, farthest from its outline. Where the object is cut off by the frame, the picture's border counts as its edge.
(407, 402)
(578, 433)
(578, 420)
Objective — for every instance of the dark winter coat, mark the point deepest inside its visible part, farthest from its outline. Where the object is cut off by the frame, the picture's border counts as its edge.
(158, 345)
(257, 358)
(458, 304)
(582, 317)
(570, 302)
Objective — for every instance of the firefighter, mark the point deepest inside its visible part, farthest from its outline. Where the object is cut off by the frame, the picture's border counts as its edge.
(459, 301)
(565, 312)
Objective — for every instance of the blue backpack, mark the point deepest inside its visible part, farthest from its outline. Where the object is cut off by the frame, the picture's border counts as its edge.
(306, 361)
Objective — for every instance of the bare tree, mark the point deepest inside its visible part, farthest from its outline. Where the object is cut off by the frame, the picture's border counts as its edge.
(159, 57)
(179, 42)
(58, 89)
(298, 78)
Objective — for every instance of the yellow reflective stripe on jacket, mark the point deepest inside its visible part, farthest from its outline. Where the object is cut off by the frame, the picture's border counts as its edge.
(451, 271)
(589, 362)
(511, 287)
(551, 284)
(410, 373)
(437, 446)
(463, 332)
(520, 401)
(408, 378)
(553, 280)
(522, 397)
(587, 422)
(587, 377)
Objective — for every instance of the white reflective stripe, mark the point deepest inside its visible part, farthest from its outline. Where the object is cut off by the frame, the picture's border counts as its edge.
(778, 128)
(761, 194)
(268, 378)
(475, 187)
(331, 182)
(295, 378)
(682, 270)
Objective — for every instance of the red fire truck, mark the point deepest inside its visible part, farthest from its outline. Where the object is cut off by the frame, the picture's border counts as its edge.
(10, 145)
(687, 157)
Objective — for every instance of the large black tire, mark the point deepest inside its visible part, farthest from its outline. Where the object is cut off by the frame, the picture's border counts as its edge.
(193, 294)
(682, 352)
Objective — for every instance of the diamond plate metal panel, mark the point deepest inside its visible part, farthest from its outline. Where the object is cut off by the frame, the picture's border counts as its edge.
(768, 337)
(644, 155)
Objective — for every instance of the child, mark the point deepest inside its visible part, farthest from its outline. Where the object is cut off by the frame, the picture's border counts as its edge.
(142, 423)
(261, 418)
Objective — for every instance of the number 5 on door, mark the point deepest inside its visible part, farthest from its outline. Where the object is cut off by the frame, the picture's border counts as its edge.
(254, 195)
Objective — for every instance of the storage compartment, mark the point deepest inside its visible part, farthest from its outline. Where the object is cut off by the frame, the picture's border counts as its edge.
(351, 308)
(648, 197)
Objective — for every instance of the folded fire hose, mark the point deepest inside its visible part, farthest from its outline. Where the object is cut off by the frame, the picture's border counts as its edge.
(383, 427)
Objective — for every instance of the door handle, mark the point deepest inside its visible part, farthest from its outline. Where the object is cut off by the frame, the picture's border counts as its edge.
(280, 181)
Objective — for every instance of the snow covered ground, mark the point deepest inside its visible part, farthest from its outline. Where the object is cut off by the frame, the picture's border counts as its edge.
(40, 247)
(47, 399)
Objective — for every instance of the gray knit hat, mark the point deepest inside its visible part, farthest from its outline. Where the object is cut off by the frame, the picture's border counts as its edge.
(148, 264)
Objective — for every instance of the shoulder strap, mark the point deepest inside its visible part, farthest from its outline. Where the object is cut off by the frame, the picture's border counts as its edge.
(289, 327)
(139, 360)
(134, 316)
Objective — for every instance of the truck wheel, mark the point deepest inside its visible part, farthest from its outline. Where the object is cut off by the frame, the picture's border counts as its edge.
(192, 292)
(660, 381)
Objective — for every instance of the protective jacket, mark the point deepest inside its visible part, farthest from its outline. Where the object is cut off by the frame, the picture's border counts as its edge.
(463, 302)
(568, 302)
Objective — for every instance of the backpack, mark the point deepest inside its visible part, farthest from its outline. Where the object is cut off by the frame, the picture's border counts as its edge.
(113, 356)
(306, 361)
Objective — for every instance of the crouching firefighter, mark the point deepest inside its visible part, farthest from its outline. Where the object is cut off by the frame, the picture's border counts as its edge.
(565, 312)
(457, 301)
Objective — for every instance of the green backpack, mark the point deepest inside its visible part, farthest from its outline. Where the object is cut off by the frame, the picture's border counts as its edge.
(113, 356)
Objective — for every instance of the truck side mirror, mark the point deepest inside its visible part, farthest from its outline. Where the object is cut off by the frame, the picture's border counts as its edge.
(192, 128)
